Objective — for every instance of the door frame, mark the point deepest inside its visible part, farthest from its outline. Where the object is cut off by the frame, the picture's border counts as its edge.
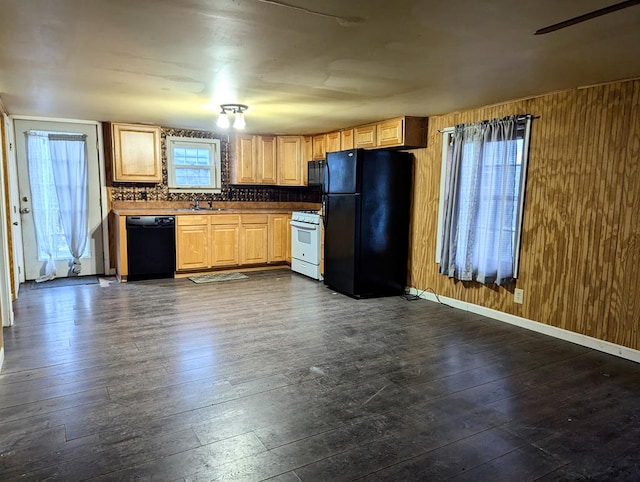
(104, 198)
(14, 202)
(6, 303)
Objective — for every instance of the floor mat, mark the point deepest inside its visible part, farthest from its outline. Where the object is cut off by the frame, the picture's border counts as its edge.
(61, 282)
(218, 277)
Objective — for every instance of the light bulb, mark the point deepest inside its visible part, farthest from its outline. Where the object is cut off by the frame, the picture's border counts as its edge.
(239, 122)
(223, 120)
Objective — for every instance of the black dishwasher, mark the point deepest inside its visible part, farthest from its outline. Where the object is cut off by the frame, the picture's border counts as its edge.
(151, 247)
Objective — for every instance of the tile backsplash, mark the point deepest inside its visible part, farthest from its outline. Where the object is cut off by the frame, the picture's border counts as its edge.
(122, 191)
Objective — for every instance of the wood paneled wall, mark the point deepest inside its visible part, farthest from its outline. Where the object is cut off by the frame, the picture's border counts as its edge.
(580, 255)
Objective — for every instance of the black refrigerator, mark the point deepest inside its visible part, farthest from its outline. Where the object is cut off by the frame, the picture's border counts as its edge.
(366, 204)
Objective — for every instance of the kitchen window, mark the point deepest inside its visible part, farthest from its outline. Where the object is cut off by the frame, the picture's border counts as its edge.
(193, 165)
(483, 179)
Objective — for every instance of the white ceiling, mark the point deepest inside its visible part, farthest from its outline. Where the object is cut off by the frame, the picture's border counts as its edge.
(303, 66)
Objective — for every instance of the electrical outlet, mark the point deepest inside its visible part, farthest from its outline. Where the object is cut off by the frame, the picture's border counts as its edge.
(518, 296)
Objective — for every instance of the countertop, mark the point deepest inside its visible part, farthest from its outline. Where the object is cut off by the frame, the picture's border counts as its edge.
(177, 209)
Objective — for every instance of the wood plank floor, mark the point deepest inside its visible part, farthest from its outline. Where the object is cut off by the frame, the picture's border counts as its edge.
(277, 377)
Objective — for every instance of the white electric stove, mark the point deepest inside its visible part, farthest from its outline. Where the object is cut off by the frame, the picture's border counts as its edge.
(306, 242)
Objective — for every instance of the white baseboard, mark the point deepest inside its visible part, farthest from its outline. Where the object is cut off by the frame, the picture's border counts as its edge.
(1, 356)
(577, 338)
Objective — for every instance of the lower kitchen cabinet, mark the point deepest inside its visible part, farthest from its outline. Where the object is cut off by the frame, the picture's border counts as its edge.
(279, 237)
(225, 241)
(254, 239)
(218, 241)
(192, 242)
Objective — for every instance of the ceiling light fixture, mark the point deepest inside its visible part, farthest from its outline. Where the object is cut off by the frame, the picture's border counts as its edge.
(237, 110)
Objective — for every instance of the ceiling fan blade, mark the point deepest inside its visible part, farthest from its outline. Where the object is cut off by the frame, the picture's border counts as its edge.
(587, 16)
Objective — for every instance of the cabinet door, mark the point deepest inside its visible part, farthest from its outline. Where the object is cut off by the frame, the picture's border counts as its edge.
(333, 142)
(135, 153)
(244, 169)
(308, 148)
(266, 172)
(254, 242)
(192, 245)
(391, 132)
(319, 147)
(365, 136)
(290, 161)
(346, 139)
(224, 244)
(278, 238)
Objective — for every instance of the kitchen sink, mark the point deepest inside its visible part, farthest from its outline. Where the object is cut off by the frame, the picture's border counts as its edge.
(190, 210)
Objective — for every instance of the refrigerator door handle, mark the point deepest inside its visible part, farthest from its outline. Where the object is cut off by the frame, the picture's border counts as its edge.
(327, 178)
(325, 211)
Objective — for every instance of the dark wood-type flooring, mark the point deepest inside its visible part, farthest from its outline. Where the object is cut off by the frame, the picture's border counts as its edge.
(277, 377)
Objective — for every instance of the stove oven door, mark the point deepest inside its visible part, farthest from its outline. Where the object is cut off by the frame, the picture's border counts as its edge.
(305, 242)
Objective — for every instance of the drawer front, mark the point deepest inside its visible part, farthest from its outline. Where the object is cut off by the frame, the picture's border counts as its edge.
(192, 220)
(254, 219)
(225, 219)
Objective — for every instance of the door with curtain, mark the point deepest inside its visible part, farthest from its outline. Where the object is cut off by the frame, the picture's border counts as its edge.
(59, 185)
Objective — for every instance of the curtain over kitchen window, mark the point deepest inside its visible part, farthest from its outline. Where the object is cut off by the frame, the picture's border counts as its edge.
(483, 200)
(58, 179)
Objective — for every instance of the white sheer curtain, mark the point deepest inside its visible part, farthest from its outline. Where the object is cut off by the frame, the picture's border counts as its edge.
(43, 200)
(58, 178)
(69, 161)
(482, 200)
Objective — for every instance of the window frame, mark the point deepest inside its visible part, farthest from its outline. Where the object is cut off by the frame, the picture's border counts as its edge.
(447, 138)
(213, 145)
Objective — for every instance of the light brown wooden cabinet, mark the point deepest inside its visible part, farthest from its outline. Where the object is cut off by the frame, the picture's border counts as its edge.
(410, 132)
(403, 131)
(267, 160)
(365, 137)
(254, 239)
(319, 147)
(270, 160)
(192, 242)
(256, 160)
(333, 142)
(244, 171)
(279, 232)
(224, 240)
(291, 163)
(308, 148)
(346, 139)
(133, 152)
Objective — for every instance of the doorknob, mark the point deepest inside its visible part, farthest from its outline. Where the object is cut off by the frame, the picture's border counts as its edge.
(25, 211)
(15, 223)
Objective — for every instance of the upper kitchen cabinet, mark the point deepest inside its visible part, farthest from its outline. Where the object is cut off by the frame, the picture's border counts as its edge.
(133, 152)
(365, 137)
(292, 166)
(409, 132)
(256, 160)
(267, 160)
(346, 139)
(244, 171)
(402, 132)
(319, 147)
(332, 142)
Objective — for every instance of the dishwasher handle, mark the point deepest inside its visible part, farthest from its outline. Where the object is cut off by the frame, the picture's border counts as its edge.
(151, 221)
